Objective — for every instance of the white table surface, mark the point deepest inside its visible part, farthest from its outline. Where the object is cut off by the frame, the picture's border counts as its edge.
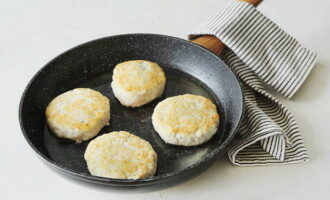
(33, 32)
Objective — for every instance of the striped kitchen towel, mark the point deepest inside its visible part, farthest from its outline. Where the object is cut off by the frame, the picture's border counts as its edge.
(262, 53)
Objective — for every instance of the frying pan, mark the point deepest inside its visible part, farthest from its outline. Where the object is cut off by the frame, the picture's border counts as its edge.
(189, 68)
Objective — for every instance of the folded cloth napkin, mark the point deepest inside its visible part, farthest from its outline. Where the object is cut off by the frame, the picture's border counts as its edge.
(260, 52)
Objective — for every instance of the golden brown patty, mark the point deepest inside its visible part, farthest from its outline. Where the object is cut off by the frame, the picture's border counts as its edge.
(186, 120)
(137, 82)
(78, 114)
(121, 155)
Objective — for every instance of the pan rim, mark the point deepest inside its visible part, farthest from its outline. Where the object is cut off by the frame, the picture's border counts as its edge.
(129, 182)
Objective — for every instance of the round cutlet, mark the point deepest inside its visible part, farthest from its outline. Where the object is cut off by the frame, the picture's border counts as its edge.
(78, 114)
(137, 82)
(120, 155)
(186, 120)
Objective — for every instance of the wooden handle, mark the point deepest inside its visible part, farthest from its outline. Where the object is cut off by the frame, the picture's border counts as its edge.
(213, 43)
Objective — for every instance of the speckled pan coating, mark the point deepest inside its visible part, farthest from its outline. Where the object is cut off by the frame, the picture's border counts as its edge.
(189, 68)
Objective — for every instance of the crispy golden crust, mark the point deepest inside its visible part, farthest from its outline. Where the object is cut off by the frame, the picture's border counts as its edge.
(77, 113)
(120, 155)
(138, 75)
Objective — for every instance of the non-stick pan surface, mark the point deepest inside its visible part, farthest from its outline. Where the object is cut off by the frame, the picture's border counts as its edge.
(189, 68)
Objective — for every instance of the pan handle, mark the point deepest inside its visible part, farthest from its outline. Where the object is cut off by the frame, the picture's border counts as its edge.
(211, 42)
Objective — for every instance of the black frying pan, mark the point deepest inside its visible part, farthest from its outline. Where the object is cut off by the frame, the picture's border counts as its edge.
(189, 68)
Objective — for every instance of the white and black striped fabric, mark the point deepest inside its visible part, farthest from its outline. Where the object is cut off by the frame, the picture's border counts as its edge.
(262, 53)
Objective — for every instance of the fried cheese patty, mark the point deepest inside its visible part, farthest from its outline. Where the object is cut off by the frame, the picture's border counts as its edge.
(78, 114)
(120, 155)
(186, 120)
(137, 82)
